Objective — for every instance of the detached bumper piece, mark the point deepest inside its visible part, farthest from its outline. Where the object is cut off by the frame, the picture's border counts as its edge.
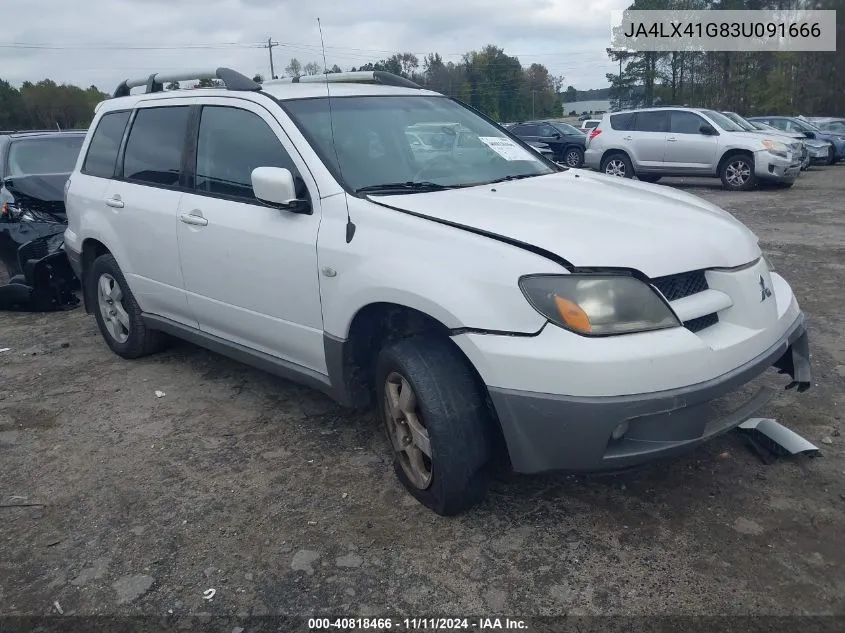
(546, 432)
(47, 283)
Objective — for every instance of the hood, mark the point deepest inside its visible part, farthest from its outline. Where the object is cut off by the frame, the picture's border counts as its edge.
(594, 220)
(43, 193)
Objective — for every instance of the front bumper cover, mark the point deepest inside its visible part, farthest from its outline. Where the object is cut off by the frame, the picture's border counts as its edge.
(546, 432)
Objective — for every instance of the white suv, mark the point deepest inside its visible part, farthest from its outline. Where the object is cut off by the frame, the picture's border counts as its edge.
(490, 302)
(671, 141)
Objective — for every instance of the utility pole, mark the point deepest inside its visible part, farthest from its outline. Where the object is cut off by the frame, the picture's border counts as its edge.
(269, 46)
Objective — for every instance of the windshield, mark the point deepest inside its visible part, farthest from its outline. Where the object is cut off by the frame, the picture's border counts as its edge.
(567, 129)
(745, 125)
(415, 141)
(37, 157)
(804, 126)
(833, 126)
(722, 121)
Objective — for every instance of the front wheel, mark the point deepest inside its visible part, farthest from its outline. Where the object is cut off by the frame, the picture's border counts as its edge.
(737, 173)
(618, 165)
(573, 157)
(831, 156)
(437, 422)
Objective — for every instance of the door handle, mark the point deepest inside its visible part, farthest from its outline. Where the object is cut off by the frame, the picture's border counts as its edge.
(114, 202)
(194, 217)
(627, 138)
(671, 139)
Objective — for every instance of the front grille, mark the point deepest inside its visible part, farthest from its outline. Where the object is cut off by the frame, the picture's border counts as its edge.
(698, 324)
(676, 287)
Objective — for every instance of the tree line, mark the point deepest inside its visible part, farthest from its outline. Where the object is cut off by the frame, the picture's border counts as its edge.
(46, 105)
(808, 83)
(489, 80)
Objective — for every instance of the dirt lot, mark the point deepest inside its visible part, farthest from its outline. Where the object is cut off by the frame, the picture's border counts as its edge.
(282, 502)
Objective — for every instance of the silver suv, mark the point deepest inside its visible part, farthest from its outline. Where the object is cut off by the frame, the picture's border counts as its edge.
(655, 142)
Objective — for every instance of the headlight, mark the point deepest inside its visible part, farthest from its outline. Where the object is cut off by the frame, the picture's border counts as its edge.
(776, 148)
(598, 305)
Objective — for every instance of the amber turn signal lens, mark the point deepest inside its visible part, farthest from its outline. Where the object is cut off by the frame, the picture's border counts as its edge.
(573, 315)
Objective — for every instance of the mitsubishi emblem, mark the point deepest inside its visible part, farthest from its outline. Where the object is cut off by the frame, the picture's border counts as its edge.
(765, 292)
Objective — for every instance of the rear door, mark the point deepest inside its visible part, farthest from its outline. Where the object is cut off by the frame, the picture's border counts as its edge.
(141, 204)
(648, 140)
(687, 149)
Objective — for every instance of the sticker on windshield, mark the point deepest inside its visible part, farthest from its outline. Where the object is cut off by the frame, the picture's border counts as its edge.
(506, 148)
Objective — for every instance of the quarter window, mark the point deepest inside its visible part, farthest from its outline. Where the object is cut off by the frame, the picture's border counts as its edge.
(233, 142)
(154, 149)
(102, 151)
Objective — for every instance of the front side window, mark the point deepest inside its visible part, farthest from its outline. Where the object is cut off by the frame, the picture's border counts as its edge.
(154, 148)
(681, 122)
(232, 142)
(43, 156)
(368, 145)
(102, 151)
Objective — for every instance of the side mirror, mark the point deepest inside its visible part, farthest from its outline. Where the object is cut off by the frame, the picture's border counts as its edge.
(708, 130)
(556, 135)
(810, 134)
(275, 186)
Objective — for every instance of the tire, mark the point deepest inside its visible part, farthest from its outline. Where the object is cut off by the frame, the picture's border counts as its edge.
(617, 164)
(831, 156)
(449, 405)
(573, 157)
(649, 178)
(737, 172)
(133, 339)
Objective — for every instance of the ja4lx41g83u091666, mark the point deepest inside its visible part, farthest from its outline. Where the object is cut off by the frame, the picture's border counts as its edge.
(487, 301)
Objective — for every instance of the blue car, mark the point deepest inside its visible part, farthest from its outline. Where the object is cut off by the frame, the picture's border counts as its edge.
(793, 124)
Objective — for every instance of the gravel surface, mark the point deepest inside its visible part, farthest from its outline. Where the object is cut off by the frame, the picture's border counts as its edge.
(116, 501)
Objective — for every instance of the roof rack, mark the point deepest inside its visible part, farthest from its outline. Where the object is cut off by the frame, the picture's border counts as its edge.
(232, 80)
(358, 77)
(45, 131)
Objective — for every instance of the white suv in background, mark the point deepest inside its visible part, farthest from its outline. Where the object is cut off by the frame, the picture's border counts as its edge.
(669, 141)
(489, 302)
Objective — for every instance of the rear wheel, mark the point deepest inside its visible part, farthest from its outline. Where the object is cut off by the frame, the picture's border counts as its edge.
(437, 422)
(617, 165)
(117, 312)
(737, 173)
(831, 156)
(573, 157)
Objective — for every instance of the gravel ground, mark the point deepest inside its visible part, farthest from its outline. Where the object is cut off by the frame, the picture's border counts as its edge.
(116, 501)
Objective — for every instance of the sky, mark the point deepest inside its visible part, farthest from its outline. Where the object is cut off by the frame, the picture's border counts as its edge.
(102, 42)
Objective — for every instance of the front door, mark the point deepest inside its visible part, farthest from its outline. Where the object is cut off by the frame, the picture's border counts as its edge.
(687, 149)
(250, 269)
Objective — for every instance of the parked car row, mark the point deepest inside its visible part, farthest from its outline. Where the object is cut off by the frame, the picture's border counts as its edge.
(651, 143)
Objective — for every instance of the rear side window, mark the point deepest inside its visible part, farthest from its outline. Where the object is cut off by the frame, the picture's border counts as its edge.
(681, 122)
(650, 121)
(102, 151)
(154, 149)
(623, 122)
(233, 142)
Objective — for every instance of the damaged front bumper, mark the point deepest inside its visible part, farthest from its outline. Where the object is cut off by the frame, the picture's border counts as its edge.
(546, 432)
(41, 279)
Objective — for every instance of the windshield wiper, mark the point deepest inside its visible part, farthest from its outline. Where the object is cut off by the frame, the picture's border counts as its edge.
(410, 186)
(519, 177)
